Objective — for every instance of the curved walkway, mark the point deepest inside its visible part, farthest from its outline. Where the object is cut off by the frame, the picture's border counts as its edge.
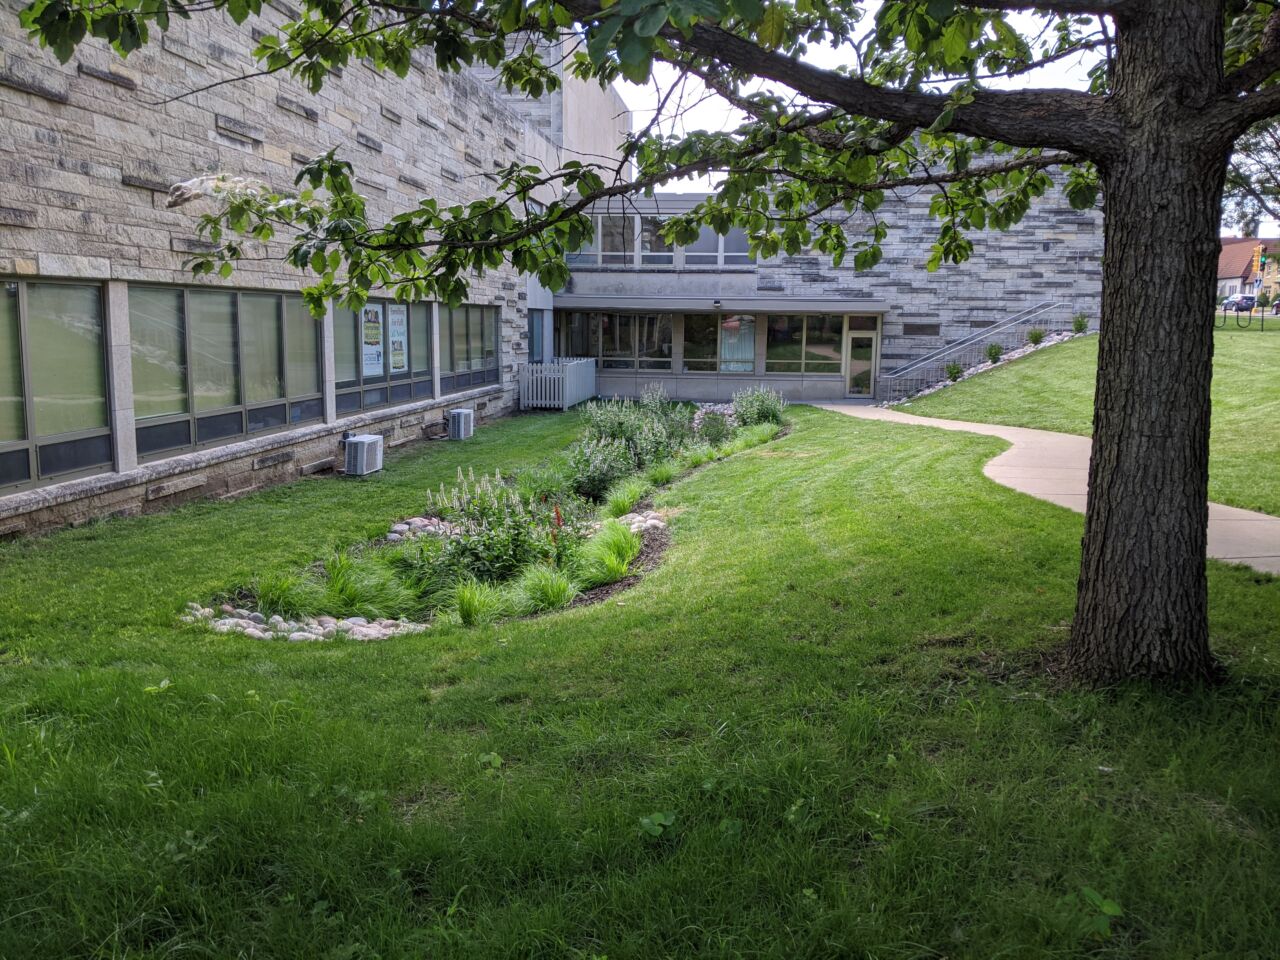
(1055, 467)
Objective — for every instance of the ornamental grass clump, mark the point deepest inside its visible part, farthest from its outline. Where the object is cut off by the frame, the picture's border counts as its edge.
(365, 586)
(475, 602)
(541, 588)
(289, 595)
(606, 558)
(624, 495)
(660, 474)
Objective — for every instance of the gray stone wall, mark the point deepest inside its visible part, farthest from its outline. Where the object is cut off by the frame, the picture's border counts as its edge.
(1053, 254)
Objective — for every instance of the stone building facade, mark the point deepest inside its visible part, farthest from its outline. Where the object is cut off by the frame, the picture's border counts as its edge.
(88, 153)
(804, 327)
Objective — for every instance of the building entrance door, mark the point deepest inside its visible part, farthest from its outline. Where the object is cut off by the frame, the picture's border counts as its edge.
(860, 362)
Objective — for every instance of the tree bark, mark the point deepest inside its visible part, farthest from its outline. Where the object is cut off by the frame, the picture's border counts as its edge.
(1142, 605)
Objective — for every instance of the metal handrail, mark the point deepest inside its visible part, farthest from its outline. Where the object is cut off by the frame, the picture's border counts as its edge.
(986, 333)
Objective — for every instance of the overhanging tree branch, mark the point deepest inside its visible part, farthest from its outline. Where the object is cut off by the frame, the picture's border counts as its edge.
(1062, 119)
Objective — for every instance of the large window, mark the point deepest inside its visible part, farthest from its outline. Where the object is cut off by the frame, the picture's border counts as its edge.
(469, 347)
(620, 341)
(214, 366)
(807, 343)
(628, 240)
(382, 355)
(725, 343)
(54, 419)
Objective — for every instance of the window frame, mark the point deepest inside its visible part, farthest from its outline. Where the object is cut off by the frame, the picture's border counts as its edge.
(715, 365)
(593, 321)
(800, 367)
(675, 258)
(296, 411)
(407, 387)
(32, 443)
(480, 370)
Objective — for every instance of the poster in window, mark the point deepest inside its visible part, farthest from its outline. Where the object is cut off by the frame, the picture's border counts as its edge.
(371, 339)
(398, 336)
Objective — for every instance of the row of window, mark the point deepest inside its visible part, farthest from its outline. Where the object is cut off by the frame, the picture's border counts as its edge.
(211, 365)
(626, 240)
(712, 343)
(208, 367)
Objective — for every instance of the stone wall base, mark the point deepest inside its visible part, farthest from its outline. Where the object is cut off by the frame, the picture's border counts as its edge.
(234, 470)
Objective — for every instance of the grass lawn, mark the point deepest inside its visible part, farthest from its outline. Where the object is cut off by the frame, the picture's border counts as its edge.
(830, 685)
(1052, 389)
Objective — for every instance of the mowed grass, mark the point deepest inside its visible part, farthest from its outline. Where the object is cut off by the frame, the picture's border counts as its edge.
(1052, 389)
(826, 701)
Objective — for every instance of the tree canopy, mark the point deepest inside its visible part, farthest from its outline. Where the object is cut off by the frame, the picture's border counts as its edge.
(910, 103)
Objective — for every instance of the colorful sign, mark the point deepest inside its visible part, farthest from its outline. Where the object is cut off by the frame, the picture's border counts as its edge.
(371, 340)
(398, 337)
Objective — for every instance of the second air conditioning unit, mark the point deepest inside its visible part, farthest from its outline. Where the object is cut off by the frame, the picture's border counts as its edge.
(462, 423)
(364, 454)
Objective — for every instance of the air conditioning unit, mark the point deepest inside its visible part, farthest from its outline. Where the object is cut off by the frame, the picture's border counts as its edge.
(462, 423)
(364, 454)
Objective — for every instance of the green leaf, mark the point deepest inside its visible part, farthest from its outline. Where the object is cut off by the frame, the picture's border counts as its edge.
(651, 21)
(955, 45)
(940, 10)
(773, 28)
(749, 10)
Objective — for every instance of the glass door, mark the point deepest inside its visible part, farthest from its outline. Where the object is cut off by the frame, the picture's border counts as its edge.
(860, 361)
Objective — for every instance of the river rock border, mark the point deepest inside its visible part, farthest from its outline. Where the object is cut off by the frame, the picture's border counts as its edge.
(229, 619)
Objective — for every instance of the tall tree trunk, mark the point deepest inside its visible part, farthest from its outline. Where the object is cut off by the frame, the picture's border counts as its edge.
(1142, 606)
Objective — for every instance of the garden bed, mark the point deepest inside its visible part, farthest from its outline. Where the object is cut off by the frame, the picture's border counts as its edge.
(567, 532)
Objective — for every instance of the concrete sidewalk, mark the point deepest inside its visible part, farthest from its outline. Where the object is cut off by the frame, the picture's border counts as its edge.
(1055, 467)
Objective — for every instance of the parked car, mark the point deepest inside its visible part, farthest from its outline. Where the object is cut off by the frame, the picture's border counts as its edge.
(1240, 302)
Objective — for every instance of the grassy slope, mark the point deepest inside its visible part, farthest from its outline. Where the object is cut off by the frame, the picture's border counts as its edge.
(828, 682)
(1053, 390)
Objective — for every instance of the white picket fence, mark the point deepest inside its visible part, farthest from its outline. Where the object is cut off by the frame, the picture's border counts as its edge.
(558, 384)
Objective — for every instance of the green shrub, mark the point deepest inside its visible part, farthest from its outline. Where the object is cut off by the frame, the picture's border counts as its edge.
(1079, 323)
(660, 474)
(606, 557)
(1035, 336)
(624, 495)
(289, 595)
(758, 405)
(653, 428)
(954, 371)
(475, 602)
(499, 529)
(993, 352)
(595, 465)
(714, 428)
(542, 587)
